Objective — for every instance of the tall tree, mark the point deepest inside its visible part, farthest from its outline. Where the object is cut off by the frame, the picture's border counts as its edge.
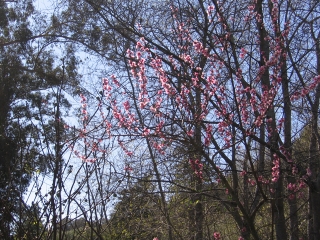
(225, 79)
(27, 74)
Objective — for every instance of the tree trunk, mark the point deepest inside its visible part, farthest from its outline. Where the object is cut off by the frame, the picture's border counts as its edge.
(293, 208)
(314, 164)
(314, 181)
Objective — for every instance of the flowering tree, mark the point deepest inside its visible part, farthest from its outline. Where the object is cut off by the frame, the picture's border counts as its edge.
(233, 85)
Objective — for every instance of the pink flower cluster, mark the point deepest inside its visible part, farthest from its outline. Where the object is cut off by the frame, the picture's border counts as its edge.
(208, 137)
(106, 88)
(84, 107)
(303, 92)
(210, 9)
(275, 168)
(127, 152)
(197, 167)
(156, 64)
(243, 53)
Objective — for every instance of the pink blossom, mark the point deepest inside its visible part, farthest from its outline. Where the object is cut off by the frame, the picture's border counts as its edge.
(251, 7)
(146, 132)
(210, 9)
(128, 168)
(276, 168)
(216, 235)
(243, 53)
(292, 196)
(309, 172)
(243, 173)
(302, 184)
(190, 133)
(106, 85)
(291, 187)
(198, 46)
(208, 135)
(126, 105)
(197, 166)
(252, 182)
(260, 179)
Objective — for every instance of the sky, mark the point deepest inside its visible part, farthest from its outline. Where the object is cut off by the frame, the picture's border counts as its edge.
(43, 4)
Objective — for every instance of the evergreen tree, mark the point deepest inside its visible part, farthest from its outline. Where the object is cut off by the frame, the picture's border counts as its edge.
(30, 75)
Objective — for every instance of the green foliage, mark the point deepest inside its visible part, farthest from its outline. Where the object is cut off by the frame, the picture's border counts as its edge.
(13, 181)
(29, 225)
(301, 149)
(136, 215)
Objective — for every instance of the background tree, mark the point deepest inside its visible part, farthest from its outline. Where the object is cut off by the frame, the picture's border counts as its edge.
(136, 216)
(29, 98)
(229, 76)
